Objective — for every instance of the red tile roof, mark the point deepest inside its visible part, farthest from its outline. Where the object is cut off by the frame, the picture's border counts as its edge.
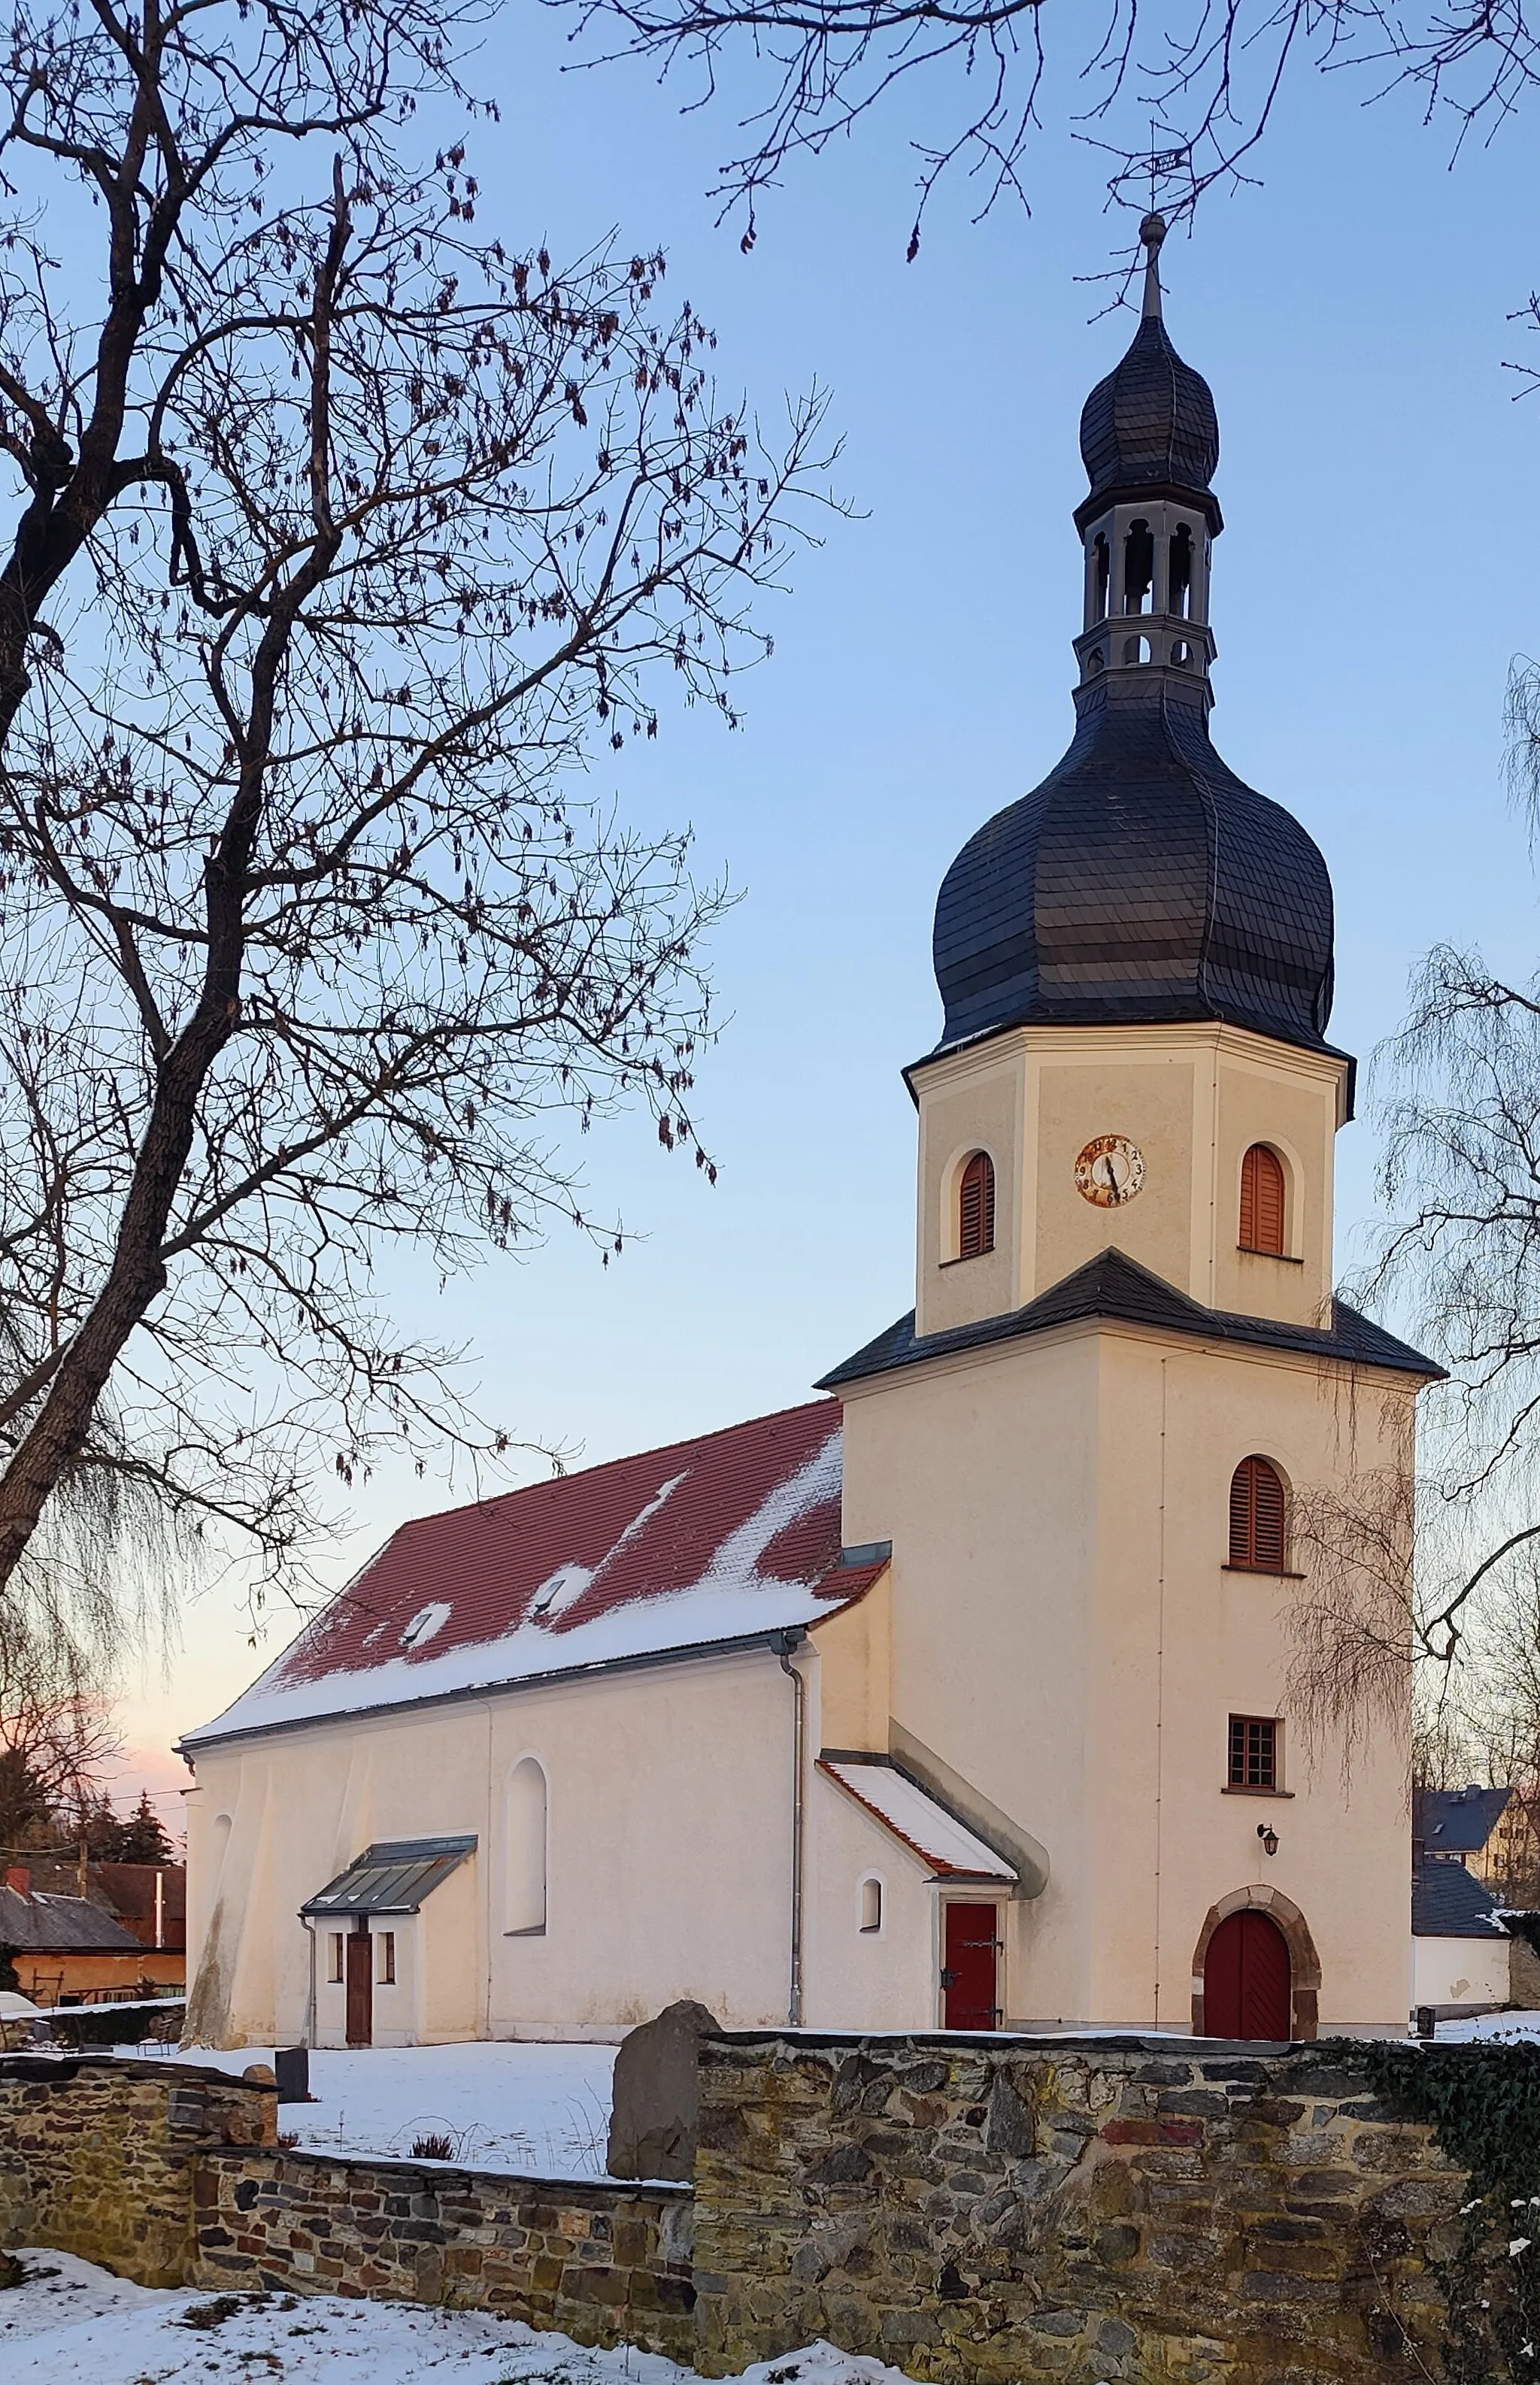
(716, 1538)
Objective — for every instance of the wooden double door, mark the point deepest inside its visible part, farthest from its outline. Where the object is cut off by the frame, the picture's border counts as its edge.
(1248, 1980)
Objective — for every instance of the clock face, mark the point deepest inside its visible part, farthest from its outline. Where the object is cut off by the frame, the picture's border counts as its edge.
(1110, 1171)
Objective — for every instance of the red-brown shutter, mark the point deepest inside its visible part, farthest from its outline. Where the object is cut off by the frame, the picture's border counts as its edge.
(1262, 1202)
(1267, 1529)
(1256, 1517)
(976, 1200)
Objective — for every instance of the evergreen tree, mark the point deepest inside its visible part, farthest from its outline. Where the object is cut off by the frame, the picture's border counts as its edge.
(143, 1838)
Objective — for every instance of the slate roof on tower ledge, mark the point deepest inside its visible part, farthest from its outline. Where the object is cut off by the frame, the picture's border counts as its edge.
(1114, 1285)
(1450, 1901)
(723, 1539)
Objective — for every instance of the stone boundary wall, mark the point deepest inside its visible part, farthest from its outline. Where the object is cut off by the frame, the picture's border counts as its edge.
(170, 2174)
(603, 2263)
(1083, 2210)
(97, 2155)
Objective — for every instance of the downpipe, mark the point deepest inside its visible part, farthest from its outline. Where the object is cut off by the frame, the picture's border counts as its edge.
(309, 1928)
(783, 1643)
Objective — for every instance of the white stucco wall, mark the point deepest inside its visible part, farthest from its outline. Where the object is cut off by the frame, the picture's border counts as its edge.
(670, 1833)
(886, 1979)
(1460, 1970)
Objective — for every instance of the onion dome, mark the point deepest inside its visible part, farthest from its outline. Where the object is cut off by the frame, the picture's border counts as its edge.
(1151, 423)
(1142, 881)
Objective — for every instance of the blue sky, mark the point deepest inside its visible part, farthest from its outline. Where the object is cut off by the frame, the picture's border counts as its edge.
(1378, 571)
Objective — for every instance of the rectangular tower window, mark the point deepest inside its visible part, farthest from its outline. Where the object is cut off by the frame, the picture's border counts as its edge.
(1252, 1751)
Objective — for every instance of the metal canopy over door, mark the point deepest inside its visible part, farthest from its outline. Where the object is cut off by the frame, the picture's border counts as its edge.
(1248, 1980)
(360, 1948)
(969, 1966)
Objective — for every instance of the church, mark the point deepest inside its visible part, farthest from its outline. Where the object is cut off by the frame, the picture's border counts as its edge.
(957, 1698)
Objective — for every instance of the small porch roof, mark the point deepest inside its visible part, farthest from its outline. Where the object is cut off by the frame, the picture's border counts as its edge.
(392, 1876)
(917, 1819)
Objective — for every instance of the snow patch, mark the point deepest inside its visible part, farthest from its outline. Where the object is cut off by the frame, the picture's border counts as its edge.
(559, 1591)
(425, 1623)
(73, 2324)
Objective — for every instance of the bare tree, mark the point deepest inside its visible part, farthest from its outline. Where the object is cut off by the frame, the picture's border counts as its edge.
(307, 948)
(1177, 100)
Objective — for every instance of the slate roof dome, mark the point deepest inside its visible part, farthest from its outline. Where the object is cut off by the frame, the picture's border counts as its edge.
(1142, 881)
(1150, 423)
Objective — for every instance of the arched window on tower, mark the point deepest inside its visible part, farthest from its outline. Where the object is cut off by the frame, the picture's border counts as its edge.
(976, 1207)
(1138, 568)
(1262, 1202)
(525, 1817)
(1102, 557)
(1256, 1517)
(1180, 596)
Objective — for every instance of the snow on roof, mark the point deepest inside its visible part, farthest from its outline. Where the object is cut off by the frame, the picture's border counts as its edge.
(1450, 1901)
(723, 1537)
(926, 1827)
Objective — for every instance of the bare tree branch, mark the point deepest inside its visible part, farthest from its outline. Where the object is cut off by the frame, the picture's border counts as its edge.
(364, 535)
(1208, 72)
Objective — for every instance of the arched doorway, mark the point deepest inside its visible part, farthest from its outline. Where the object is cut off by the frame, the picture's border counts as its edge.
(1247, 1979)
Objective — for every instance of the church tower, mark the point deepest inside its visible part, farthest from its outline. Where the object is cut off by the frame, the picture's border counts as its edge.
(1125, 1368)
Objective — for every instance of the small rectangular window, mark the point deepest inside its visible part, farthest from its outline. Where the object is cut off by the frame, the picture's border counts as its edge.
(1252, 1751)
(384, 1949)
(335, 1958)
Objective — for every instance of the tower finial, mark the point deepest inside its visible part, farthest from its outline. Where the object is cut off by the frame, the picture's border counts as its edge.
(1152, 231)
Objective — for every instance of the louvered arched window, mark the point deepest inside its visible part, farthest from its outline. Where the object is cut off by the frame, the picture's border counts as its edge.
(976, 1207)
(1262, 1201)
(1256, 1517)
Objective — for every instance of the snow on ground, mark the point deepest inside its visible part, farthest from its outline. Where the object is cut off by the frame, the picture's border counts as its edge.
(540, 2109)
(71, 2324)
(1504, 2027)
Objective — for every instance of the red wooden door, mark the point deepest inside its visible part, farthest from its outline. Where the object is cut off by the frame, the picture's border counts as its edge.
(969, 1966)
(1247, 1984)
(360, 1987)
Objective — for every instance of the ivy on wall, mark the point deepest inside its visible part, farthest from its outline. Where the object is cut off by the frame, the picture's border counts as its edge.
(1483, 2105)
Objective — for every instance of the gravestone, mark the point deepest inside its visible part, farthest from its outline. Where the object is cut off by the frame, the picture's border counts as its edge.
(656, 2112)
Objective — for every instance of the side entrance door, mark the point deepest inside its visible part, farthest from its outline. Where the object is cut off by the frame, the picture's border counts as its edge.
(1248, 1980)
(970, 1967)
(360, 1948)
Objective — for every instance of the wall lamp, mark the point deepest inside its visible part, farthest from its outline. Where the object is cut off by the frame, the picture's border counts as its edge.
(1269, 1837)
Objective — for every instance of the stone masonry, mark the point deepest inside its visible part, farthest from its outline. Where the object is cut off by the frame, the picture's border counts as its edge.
(97, 2155)
(976, 2211)
(1083, 2210)
(601, 2263)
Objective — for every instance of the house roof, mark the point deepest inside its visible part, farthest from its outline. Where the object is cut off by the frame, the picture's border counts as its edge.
(916, 1818)
(1114, 1285)
(60, 1924)
(728, 1538)
(1450, 1901)
(392, 1876)
(1457, 1821)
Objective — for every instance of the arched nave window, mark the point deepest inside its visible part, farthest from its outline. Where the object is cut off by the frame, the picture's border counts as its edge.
(526, 1825)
